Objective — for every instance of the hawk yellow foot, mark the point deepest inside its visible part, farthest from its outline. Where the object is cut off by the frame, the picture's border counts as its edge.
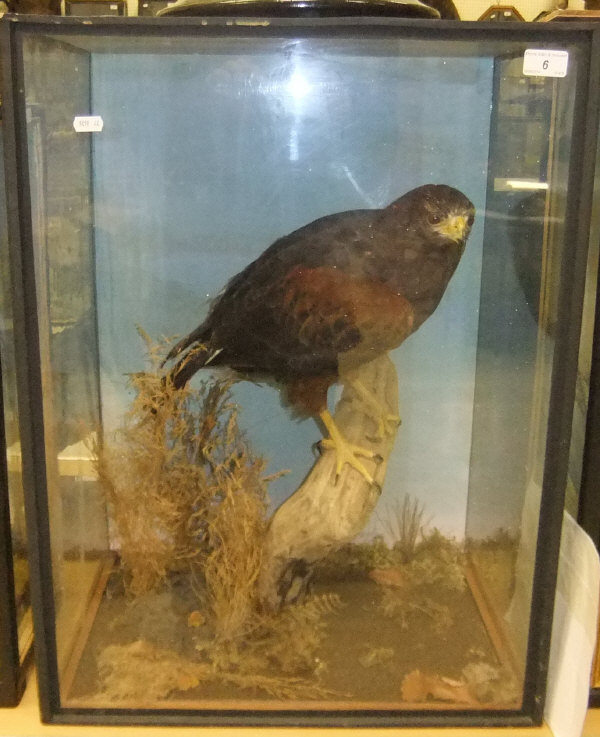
(346, 452)
(386, 421)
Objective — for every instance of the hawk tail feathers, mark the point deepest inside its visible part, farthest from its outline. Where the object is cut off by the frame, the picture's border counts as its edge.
(200, 335)
(196, 358)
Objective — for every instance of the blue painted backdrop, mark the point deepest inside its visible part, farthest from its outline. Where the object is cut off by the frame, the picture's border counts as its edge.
(205, 159)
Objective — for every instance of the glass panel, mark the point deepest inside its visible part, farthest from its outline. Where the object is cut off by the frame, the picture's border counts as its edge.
(59, 170)
(11, 427)
(518, 317)
(251, 569)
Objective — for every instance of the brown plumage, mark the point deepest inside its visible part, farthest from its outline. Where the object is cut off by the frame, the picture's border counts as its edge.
(331, 296)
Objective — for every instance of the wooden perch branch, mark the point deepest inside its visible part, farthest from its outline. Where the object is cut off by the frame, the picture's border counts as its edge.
(322, 515)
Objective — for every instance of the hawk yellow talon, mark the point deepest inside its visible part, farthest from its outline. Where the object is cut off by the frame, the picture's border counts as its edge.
(345, 452)
(378, 411)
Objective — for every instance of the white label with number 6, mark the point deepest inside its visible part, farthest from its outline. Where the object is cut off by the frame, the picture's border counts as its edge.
(545, 63)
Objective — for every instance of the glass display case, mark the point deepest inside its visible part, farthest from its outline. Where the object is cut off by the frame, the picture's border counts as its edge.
(95, 7)
(297, 306)
(16, 627)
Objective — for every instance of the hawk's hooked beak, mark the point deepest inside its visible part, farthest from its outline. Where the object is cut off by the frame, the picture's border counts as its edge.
(454, 227)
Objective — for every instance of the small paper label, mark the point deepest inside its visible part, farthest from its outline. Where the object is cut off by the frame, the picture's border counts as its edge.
(88, 123)
(545, 63)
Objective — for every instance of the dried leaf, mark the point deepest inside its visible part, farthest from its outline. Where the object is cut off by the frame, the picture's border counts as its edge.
(196, 619)
(186, 681)
(413, 687)
(417, 686)
(444, 689)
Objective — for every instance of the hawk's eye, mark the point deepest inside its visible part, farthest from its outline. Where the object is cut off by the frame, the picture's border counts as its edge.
(471, 219)
(434, 219)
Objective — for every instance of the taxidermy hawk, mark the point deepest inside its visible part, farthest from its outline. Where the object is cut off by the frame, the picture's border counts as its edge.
(331, 296)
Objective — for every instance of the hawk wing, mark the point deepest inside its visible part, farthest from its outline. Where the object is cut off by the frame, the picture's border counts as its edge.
(309, 322)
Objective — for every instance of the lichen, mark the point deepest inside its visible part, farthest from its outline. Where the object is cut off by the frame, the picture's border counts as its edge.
(435, 563)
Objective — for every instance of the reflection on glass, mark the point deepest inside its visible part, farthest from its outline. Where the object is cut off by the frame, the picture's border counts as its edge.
(60, 202)
(202, 556)
(518, 318)
(11, 429)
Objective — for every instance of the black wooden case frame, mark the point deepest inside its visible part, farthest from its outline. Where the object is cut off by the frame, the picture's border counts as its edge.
(12, 675)
(16, 627)
(579, 193)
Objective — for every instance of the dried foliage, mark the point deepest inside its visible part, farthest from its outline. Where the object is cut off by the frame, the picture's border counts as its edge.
(405, 523)
(491, 684)
(480, 684)
(279, 655)
(277, 658)
(375, 656)
(405, 540)
(407, 611)
(409, 590)
(188, 497)
(235, 538)
(144, 673)
(140, 671)
(183, 487)
(438, 566)
(417, 686)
